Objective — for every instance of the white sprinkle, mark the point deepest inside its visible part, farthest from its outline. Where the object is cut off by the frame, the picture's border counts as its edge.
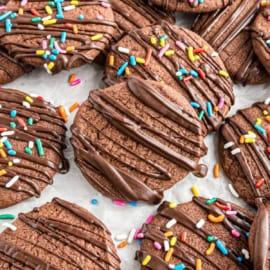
(3, 139)
(245, 253)
(166, 245)
(8, 133)
(34, 95)
(250, 136)
(179, 73)
(48, 52)
(267, 101)
(235, 151)
(10, 226)
(171, 223)
(67, 8)
(47, 69)
(40, 26)
(0, 106)
(214, 54)
(171, 266)
(121, 237)
(46, 18)
(13, 180)
(123, 50)
(26, 104)
(25, 128)
(228, 145)
(30, 144)
(200, 224)
(16, 161)
(131, 236)
(49, 37)
(233, 191)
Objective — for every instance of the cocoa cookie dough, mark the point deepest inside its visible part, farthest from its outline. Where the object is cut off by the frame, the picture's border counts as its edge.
(179, 58)
(195, 6)
(58, 235)
(136, 139)
(261, 37)
(244, 151)
(207, 234)
(57, 34)
(229, 32)
(32, 140)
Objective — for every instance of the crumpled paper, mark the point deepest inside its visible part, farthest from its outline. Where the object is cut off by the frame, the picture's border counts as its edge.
(75, 188)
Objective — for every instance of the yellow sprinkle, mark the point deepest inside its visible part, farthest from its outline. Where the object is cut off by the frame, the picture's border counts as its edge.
(169, 52)
(111, 60)
(20, 11)
(29, 99)
(211, 249)
(168, 255)
(48, 22)
(75, 29)
(97, 37)
(51, 65)
(140, 60)
(172, 204)
(162, 43)
(1, 144)
(250, 140)
(168, 234)
(70, 48)
(218, 219)
(265, 112)
(146, 260)
(173, 241)
(198, 264)
(40, 52)
(196, 57)
(2, 172)
(242, 139)
(153, 41)
(223, 73)
(74, 3)
(258, 121)
(48, 10)
(10, 164)
(127, 71)
(195, 191)
(3, 153)
(190, 54)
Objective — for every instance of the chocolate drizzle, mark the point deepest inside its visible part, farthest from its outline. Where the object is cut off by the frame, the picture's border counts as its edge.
(43, 167)
(185, 252)
(62, 233)
(90, 154)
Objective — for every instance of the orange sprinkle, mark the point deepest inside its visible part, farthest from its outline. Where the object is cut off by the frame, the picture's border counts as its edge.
(198, 264)
(259, 183)
(34, 12)
(148, 57)
(242, 139)
(69, 25)
(216, 109)
(169, 254)
(267, 118)
(73, 107)
(72, 78)
(127, 71)
(62, 112)
(183, 236)
(75, 29)
(217, 170)
(111, 60)
(122, 244)
(3, 153)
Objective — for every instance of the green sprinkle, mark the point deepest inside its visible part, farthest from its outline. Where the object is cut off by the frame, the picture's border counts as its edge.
(210, 238)
(39, 148)
(7, 216)
(12, 124)
(30, 121)
(36, 19)
(51, 4)
(210, 201)
(201, 115)
(28, 151)
(51, 46)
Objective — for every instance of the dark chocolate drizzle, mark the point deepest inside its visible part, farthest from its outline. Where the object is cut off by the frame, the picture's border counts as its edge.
(90, 155)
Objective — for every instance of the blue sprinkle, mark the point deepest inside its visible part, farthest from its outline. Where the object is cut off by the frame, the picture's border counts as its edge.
(140, 242)
(45, 56)
(94, 201)
(209, 109)
(5, 15)
(201, 1)
(133, 203)
(165, 37)
(260, 129)
(52, 57)
(55, 51)
(195, 105)
(268, 43)
(59, 16)
(8, 25)
(13, 113)
(63, 37)
(247, 234)
(180, 78)
(13, 15)
(183, 71)
(193, 73)
(132, 60)
(221, 247)
(80, 17)
(239, 259)
(11, 152)
(121, 70)
(7, 144)
(179, 267)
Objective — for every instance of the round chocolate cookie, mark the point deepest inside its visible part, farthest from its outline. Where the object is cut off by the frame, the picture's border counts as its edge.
(195, 6)
(11, 69)
(58, 235)
(32, 140)
(261, 37)
(58, 34)
(228, 31)
(245, 151)
(179, 58)
(136, 139)
(202, 234)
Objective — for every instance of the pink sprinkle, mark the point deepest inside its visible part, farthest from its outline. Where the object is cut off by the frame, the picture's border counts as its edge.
(105, 4)
(24, 2)
(231, 213)
(229, 206)
(149, 219)
(235, 233)
(76, 82)
(140, 235)
(138, 231)
(157, 245)
(3, 7)
(180, 45)
(268, 18)
(163, 50)
(100, 17)
(221, 103)
(44, 44)
(121, 203)
(58, 47)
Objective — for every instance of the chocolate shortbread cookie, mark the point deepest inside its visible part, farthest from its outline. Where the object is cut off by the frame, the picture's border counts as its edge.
(58, 235)
(228, 31)
(136, 139)
(202, 234)
(57, 35)
(245, 151)
(32, 141)
(195, 6)
(179, 58)
(261, 37)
